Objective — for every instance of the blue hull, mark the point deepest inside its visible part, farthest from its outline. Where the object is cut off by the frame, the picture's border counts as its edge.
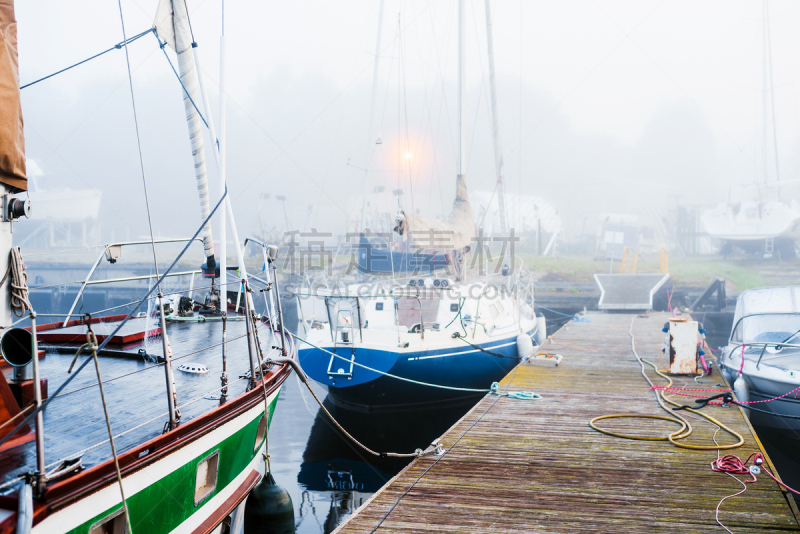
(459, 366)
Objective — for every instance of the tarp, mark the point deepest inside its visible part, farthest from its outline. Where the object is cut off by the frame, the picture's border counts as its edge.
(455, 232)
(12, 140)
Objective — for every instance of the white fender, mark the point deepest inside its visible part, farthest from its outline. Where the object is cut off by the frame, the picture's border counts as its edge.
(524, 346)
(742, 392)
(541, 329)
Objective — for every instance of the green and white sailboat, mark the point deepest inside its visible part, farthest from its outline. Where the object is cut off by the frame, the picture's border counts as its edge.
(102, 431)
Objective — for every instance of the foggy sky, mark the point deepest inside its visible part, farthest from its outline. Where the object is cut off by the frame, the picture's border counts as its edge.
(625, 107)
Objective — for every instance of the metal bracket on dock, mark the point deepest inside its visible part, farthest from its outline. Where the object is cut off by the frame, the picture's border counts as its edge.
(544, 356)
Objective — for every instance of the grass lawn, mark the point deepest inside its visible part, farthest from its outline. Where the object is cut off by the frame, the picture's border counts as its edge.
(745, 274)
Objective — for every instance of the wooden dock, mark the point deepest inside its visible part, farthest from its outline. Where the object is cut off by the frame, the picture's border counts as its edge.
(536, 466)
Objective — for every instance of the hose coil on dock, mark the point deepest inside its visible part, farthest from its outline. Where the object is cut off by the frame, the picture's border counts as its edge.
(686, 428)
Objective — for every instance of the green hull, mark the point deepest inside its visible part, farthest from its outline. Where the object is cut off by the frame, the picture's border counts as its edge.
(169, 502)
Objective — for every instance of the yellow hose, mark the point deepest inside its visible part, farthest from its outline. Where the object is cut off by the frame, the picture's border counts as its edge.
(686, 427)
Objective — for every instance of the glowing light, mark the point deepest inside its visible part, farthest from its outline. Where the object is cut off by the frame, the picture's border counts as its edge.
(408, 155)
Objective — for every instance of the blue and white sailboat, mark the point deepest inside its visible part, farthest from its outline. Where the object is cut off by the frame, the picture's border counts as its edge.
(423, 339)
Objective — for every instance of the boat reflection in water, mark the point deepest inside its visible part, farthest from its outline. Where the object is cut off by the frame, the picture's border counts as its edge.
(334, 465)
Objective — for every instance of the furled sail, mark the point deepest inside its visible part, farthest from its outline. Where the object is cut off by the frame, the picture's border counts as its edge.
(455, 232)
(12, 141)
(172, 24)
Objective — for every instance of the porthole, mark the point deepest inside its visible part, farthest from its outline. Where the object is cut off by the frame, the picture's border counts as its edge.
(262, 427)
(206, 479)
(115, 523)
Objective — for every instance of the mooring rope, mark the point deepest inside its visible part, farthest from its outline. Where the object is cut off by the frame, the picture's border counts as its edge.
(457, 335)
(452, 388)
(19, 284)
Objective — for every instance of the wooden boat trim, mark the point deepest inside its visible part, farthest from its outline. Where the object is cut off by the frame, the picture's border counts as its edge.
(229, 505)
(74, 488)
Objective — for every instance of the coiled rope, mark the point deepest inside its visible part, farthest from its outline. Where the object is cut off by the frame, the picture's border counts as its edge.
(19, 284)
(686, 428)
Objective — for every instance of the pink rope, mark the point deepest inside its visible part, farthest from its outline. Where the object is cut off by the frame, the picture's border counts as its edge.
(741, 369)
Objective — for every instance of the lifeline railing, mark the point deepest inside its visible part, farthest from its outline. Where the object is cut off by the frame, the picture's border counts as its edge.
(112, 252)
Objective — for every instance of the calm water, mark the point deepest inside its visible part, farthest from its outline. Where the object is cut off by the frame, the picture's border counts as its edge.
(327, 476)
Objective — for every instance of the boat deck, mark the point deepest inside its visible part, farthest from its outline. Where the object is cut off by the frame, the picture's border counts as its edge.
(536, 466)
(135, 389)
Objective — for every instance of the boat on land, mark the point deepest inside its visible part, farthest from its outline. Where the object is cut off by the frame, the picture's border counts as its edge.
(151, 420)
(764, 350)
(765, 222)
(426, 336)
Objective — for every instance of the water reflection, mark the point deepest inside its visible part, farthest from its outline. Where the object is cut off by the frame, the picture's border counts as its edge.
(328, 476)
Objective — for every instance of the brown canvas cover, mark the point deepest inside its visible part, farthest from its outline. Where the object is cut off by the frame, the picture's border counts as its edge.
(12, 140)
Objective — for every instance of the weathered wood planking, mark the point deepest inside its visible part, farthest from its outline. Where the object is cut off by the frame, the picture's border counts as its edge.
(536, 466)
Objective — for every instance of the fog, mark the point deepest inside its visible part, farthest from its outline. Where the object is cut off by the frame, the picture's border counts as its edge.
(620, 107)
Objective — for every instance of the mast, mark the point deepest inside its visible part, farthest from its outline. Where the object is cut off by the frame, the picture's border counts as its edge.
(223, 232)
(371, 142)
(768, 39)
(462, 84)
(498, 154)
(187, 68)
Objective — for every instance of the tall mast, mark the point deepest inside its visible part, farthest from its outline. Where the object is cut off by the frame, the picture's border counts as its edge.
(223, 231)
(768, 39)
(462, 84)
(190, 79)
(498, 154)
(371, 142)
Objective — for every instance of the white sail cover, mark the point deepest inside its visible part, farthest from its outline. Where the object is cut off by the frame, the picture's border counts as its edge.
(455, 232)
(163, 23)
(172, 24)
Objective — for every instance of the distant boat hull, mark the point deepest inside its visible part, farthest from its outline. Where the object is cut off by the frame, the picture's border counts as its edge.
(753, 221)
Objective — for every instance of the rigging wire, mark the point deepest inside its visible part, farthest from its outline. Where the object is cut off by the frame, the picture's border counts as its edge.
(162, 46)
(115, 47)
(122, 323)
(402, 66)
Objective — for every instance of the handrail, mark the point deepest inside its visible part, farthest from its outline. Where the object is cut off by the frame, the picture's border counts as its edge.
(743, 317)
(86, 281)
(270, 304)
(143, 277)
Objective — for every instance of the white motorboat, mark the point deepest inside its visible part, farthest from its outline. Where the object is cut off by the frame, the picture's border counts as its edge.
(764, 348)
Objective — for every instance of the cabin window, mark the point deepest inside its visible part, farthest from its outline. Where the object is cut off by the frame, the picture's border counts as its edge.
(454, 307)
(262, 427)
(379, 306)
(206, 480)
(114, 523)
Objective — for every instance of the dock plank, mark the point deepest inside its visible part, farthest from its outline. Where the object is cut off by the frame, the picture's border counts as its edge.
(536, 466)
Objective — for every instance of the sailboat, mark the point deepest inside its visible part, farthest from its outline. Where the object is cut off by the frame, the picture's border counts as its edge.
(99, 432)
(421, 340)
(765, 221)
